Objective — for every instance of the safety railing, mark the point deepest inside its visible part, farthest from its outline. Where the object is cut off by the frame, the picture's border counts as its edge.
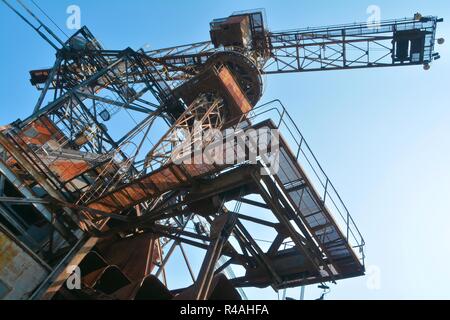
(276, 111)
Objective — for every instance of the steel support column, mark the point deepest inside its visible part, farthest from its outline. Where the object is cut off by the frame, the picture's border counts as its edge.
(222, 228)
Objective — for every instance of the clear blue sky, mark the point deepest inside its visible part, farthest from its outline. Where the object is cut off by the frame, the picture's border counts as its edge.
(383, 136)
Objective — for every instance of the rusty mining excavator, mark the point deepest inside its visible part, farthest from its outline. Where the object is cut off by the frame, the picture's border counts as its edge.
(90, 186)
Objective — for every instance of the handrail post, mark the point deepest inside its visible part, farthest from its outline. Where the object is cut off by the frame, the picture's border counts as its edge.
(348, 224)
(299, 148)
(281, 118)
(326, 190)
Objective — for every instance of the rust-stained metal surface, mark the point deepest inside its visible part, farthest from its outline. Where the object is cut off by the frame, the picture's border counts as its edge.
(19, 272)
(137, 263)
(240, 101)
(220, 80)
(66, 170)
(40, 131)
(117, 268)
(234, 32)
(152, 185)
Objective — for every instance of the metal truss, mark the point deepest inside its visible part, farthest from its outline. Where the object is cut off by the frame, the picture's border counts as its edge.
(349, 46)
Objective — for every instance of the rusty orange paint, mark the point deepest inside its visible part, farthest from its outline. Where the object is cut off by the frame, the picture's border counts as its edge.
(234, 90)
(149, 186)
(40, 131)
(170, 176)
(145, 188)
(69, 169)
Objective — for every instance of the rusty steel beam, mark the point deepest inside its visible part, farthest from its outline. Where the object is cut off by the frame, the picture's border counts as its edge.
(221, 230)
(188, 264)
